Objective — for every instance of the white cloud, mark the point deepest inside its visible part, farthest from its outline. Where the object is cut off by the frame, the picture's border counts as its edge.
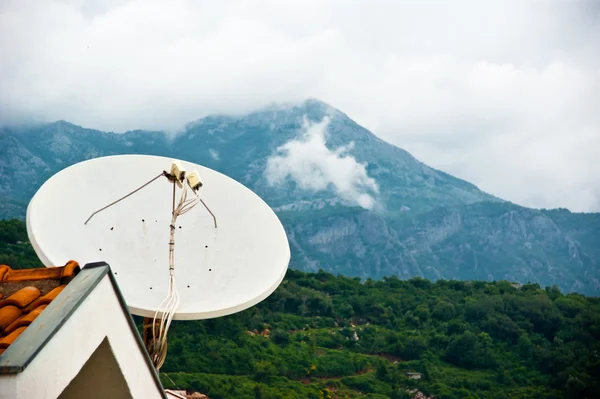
(313, 166)
(214, 154)
(503, 93)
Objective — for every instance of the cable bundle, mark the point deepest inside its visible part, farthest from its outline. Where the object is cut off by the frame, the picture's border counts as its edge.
(169, 305)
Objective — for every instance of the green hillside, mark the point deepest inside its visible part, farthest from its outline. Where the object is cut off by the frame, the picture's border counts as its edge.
(326, 336)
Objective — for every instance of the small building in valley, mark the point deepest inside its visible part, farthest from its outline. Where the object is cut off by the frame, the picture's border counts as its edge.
(413, 375)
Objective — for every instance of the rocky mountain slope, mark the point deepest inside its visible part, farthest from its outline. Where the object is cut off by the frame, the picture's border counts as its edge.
(351, 203)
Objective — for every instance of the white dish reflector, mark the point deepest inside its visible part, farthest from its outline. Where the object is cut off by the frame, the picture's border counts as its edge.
(218, 271)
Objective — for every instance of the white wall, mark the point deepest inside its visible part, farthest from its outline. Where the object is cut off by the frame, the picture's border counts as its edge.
(99, 316)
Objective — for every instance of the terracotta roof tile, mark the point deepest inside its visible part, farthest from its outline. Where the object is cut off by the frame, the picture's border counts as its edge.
(43, 273)
(46, 299)
(70, 269)
(22, 298)
(8, 314)
(24, 295)
(10, 338)
(3, 270)
(24, 320)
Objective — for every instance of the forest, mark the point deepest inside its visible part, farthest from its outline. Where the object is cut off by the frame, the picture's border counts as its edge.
(325, 336)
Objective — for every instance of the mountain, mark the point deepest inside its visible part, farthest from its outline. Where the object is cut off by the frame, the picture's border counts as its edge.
(351, 203)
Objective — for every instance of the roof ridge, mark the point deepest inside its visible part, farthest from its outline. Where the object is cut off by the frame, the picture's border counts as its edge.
(69, 270)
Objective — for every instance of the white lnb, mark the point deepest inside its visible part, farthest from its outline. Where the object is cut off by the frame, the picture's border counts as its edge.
(178, 170)
(194, 181)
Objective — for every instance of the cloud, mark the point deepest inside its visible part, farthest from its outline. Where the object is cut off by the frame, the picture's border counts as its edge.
(503, 93)
(214, 154)
(313, 166)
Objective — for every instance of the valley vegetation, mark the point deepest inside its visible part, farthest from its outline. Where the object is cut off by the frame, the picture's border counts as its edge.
(326, 336)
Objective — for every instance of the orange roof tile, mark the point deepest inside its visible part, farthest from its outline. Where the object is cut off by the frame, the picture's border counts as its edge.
(8, 314)
(24, 320)
(22, 298)
(46, 299)
(25, 293)
(10, 338)
(44, 273)
(3, 270)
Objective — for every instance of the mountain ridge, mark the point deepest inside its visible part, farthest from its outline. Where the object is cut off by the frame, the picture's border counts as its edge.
(429, 223)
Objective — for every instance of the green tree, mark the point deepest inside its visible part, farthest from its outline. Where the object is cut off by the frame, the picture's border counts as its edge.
(444, 311)
(414, 348)
(264, 371)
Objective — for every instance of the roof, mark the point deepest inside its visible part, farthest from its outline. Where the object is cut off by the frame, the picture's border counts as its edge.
(25, 294)
(174, 393)
(182, 394)
(73, 285)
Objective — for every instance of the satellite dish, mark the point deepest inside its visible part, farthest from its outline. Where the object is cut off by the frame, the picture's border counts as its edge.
(219, 270)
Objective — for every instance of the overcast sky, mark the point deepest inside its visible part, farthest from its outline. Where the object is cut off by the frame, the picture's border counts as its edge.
(505, 94)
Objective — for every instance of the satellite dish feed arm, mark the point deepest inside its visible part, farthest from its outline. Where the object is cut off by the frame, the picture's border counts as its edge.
(209, 211)
(163, 173)
(172, 178)
(196, 185)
